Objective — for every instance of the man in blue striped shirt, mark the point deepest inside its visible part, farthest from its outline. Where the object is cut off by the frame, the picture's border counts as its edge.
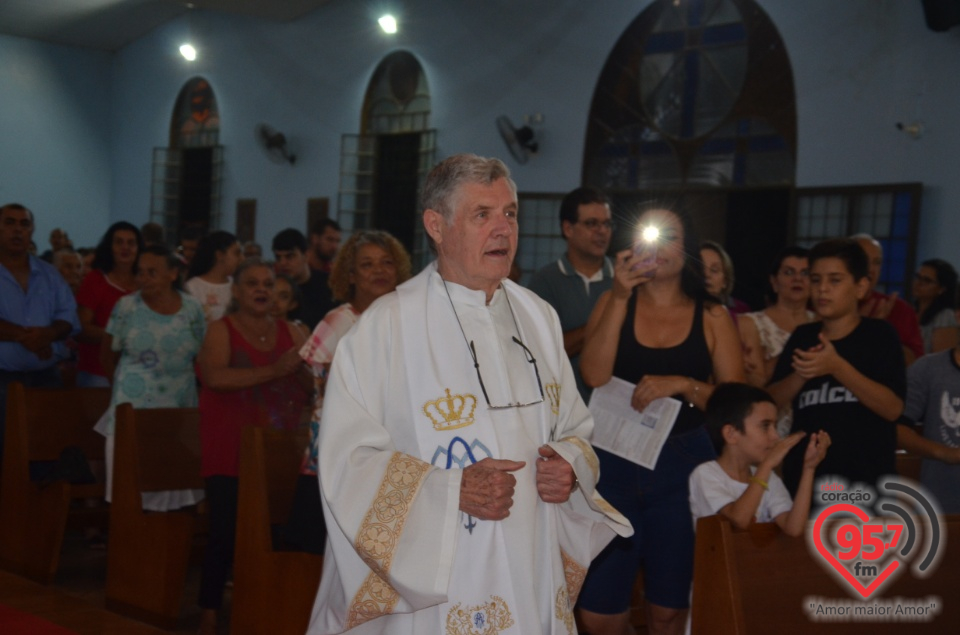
(37, 310)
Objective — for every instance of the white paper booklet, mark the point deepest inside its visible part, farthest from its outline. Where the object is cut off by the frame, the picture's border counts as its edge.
(621, 430)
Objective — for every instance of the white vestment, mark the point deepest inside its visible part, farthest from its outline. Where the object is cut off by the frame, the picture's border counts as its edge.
(403, 406)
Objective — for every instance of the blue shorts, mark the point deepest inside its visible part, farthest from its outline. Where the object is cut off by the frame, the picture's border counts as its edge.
(657, 503)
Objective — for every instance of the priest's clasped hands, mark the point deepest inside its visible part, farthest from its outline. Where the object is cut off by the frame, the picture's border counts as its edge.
(487, 486)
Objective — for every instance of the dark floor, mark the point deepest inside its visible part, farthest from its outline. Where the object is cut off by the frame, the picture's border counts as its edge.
(83, 574)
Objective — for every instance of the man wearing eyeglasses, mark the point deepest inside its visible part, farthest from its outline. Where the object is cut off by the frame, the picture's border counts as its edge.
(454, 460)
(580, 276)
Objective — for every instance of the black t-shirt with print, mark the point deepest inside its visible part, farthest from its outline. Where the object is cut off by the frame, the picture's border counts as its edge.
(863, 443)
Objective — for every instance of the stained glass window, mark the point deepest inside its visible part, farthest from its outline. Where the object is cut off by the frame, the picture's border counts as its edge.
(196, 120)
(695, 92)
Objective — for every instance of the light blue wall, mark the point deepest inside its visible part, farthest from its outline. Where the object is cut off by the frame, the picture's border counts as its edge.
(308, 80)
(54, 136)
(859, 67)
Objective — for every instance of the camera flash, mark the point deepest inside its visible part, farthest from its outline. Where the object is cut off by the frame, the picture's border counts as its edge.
(650, 234)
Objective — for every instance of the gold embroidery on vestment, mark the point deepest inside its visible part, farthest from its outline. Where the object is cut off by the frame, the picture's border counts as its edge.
(562, 611)
(378, 536)
(575, 574)
(450, 412)
(588, 454)
(489, 618)
(606, 507)
(553, 393)
(374, 599)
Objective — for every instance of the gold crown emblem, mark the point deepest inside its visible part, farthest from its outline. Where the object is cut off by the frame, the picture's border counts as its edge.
(553, 394)
(451, 412)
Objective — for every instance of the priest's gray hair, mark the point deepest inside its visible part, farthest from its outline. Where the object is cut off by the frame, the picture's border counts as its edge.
(442, 186)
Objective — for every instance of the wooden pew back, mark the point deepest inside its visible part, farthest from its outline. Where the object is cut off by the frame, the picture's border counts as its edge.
(756, 581)
(273, 590)
(908, 465)
(166, 445)
(40, 423)
(282, 453)
(149, 552)
(61, 417)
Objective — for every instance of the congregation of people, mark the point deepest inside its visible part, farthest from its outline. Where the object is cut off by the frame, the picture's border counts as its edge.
(342, 338)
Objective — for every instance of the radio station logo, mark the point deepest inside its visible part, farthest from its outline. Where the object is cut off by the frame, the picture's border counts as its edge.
(866, 541)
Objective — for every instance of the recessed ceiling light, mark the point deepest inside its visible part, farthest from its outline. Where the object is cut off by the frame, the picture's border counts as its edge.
(388, 23)
(189, 53)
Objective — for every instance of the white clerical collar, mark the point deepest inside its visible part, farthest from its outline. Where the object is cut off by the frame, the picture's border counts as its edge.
(463, 295)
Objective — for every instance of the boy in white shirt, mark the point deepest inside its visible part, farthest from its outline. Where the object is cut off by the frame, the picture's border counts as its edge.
(741, 484)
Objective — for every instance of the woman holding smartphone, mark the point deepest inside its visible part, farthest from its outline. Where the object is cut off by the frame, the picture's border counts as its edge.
(655, 328)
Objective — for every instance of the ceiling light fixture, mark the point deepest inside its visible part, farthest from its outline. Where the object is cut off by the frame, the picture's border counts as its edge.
(388, 23)
(189, 53)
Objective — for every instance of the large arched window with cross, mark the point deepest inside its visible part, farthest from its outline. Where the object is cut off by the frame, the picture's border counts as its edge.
(696, 101)
(695, 93)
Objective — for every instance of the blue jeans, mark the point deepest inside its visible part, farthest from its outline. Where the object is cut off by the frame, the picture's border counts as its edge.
(657, 503)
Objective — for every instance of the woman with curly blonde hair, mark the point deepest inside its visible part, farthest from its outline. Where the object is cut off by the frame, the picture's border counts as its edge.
(370, 264)
(350, 274)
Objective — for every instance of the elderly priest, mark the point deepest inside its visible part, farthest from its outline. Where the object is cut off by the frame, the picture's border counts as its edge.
(455, 469)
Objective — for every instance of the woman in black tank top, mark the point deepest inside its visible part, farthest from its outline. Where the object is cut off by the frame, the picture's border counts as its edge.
(658, 329)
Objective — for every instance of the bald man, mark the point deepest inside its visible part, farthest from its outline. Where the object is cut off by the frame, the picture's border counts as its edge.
(890, 307)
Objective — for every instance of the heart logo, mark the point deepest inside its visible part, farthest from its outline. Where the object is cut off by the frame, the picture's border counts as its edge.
(865, 591)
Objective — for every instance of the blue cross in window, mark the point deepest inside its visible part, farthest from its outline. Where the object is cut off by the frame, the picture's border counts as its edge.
(688, 43)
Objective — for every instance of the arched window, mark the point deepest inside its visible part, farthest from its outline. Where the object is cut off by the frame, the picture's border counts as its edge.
(397, 99)
(381, 168)
(185, 194)
(696, 102)
(196, 120)
(695, 93)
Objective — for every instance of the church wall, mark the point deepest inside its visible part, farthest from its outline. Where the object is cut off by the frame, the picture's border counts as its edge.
(859, 66)
(308, 80)
(54, 136)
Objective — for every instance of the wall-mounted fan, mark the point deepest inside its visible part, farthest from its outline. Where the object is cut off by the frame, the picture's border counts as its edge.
(521, 142)
(274, 144)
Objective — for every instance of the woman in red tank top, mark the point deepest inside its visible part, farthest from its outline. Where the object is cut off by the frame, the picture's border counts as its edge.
(114, 275)
(251, 375)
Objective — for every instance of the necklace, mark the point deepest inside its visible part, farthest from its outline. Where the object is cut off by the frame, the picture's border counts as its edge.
(261, 336)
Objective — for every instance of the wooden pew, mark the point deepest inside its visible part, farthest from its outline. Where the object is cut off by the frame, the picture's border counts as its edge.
(41, 422)
(755, 581)
(148, 553)
(908, 465)
(273, 591)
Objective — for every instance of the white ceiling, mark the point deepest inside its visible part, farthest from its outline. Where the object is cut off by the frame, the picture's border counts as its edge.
(110, 24)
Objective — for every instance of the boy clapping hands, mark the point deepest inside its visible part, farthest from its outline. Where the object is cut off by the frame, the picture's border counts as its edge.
(741, 484)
